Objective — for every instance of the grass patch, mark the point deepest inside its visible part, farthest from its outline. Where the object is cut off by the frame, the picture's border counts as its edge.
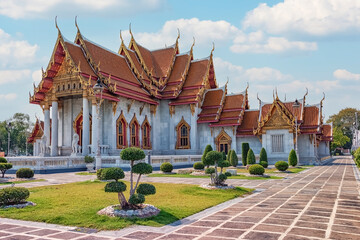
(76, 204)
(206, 176)
(85, 173)
(275, 171)
(25, 181)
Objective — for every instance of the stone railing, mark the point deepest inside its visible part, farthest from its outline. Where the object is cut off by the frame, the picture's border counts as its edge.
(104, 149)
(77, 162)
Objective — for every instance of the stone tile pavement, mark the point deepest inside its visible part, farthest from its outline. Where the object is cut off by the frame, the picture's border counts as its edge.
(320, 203)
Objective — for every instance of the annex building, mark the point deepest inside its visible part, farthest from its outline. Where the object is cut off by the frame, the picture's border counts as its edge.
(164, 101)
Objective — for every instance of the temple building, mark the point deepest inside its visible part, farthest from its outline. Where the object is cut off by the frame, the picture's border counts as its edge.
(162, 101)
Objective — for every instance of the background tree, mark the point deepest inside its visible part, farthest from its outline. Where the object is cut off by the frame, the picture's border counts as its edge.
(344, 121)
(21, 127)
(244, 151)
(250, 157)
(215, 158)
(234, 161)
(339, 139)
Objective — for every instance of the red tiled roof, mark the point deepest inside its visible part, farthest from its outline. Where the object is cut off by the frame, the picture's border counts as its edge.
(77, 55)
(249, 123)
(311, 116)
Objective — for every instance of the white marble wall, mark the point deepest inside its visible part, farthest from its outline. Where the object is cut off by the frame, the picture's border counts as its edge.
(288, 143)
(254, 143)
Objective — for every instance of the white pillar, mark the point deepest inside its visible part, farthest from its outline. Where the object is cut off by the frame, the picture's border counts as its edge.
(54, 129)
(86, 128)
(94, 127)
(47, 127)
(193, 130)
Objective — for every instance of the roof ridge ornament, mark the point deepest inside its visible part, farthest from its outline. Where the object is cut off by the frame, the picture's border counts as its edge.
(277, 97)
(178, 36)
(121, 38)
(56, 25)
(130, 31)
(321, 102)
(212, 50)
(76, 25)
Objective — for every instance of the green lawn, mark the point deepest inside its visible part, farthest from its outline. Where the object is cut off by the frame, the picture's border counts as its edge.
(274, 170)
(85, 173)
(25, 181)
(76, 204)
(206, 176)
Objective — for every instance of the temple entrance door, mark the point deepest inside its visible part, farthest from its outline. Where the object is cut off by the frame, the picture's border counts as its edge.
(78, 127)
(223, 142)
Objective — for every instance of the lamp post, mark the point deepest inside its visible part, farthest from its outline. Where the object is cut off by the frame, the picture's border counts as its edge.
(8, 130)
(98, 89)
(296, 105)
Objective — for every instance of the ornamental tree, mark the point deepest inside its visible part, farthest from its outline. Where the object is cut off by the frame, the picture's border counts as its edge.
(215, 158)
(244, 151)
(223, 164)
(233, 159)
(137, 191)
(4, 166)
(208, 148)
(263, 155)
(251, 157)
(292, 158)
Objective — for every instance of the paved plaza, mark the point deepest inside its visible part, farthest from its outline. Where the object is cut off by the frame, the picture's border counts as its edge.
(319, 203)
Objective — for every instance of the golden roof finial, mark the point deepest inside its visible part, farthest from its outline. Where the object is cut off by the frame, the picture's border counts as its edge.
(277, 97)
(193, 43)
(307, 91)
(257, 96)
(76, 25)
(56, 25)
(247, 86)
(285, 97)
(130, 30)
(321, 102)
(178, 36)
(274, 94)
(122, 40)
(212, 50)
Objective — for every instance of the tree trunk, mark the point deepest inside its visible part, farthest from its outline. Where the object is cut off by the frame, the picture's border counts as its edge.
(3, 173)
(216, 174)
(131, 178)
(137, 183)
(123, 203)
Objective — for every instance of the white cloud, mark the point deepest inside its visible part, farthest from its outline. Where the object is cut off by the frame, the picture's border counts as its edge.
(318, 18)
(23, 9)
(8, 97)
(207, 31)
(256, 42)
(36, 76)
(343, 74)
(11, 76)
(14, 52)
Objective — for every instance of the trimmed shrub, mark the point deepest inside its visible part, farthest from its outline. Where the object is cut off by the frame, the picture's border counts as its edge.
(210, 170)
(292, 158)
(199, 166)
(136, 199)
(4, 167)
(224, 164)
(3, 160)
(132, 154)
(142, 168)
(222, 177)
(244, 152)
(251, 157)
(228, 155)
(256, 169)
(24, 173)
(263, 155)
(98, 173)
(264, 164)
(281, 165)
(113, 173)
(89, 159)
(213, 157)
(115, 187)
(227, 174)
(234, 161)
(13, 195)
(224, 156)
(146, 189)
(208, 148)
(166, 167)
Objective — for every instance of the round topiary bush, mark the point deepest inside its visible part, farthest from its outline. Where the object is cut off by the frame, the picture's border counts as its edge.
(24, 173)
(146, 189)
(136, 199)
(264, 164)
(222, 177)
(113, 173)
(166, 167)
(256, 169)
(281, 165)
(13, 195)
(4, 167)
(210, 170)
(227, 174)
(3, 160)
(199, 166)
(292, 158)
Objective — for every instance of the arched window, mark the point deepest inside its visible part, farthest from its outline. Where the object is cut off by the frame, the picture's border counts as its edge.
(121, 126)
(146, 141)
(183, 135)
(134, 132)
(223, 142)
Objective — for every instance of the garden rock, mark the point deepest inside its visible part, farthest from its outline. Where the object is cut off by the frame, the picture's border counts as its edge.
(232, 171)
(20, 205)
(145, 212)
(214, 187)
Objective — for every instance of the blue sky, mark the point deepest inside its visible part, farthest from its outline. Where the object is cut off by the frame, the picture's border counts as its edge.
(290, 45)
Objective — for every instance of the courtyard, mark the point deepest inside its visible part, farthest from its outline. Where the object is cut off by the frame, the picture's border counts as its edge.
(318, 203)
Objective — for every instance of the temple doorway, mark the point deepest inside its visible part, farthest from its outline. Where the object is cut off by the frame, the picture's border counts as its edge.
(78, 127)
(223, 142)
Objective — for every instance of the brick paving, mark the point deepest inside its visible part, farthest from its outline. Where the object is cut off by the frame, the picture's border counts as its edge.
(320, 203)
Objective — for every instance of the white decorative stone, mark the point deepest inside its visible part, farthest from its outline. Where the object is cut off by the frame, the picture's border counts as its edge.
(232, 171)
(20, 205)
(145, 212)
(213, 187)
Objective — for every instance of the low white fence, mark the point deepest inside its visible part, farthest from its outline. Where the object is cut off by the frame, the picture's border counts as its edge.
(77, 162)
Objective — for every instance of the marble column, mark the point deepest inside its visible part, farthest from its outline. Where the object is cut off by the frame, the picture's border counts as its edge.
(86, 127)
(54, 129)
(94, 127)
(193, 131)
(47, 126)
